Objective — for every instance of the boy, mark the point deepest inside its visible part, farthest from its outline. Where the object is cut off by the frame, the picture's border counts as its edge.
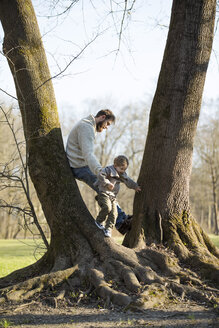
(108, 182)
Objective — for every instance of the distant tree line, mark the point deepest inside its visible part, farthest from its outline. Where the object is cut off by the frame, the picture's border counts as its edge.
(125, 137)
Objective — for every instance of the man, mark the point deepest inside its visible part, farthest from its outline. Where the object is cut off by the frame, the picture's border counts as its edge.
(83, 162)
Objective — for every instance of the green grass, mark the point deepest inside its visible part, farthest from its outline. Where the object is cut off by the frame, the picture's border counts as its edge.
(18, 253)
(215, 240)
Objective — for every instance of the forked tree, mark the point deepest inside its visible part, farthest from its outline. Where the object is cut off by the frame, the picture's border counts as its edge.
(77, 248)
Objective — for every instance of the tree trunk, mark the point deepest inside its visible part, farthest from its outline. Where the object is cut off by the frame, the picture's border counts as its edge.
(209, 218)
(214, 195)
(77, 246)
(162, 210)
(57, 191)
(78, 249)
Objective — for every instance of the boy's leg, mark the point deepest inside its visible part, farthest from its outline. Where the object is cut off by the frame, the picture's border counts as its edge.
(86, 175)
(105, 205)
(110, 222)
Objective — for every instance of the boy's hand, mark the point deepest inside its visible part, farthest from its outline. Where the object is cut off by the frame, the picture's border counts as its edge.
(138, 189)
(110, 186)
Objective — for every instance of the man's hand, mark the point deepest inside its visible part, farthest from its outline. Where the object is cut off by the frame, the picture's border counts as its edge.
(110, 186)
(138, 189)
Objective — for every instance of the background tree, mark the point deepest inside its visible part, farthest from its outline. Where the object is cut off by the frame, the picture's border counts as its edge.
(207, 149)
(200, 198)
(77, 248)
(15, 184)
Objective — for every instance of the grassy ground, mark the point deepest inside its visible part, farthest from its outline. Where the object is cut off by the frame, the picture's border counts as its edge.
(215, 239)
(16, 254)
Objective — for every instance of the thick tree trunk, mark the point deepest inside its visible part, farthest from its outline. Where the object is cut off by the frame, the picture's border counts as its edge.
(63, 207)
(77, 246)
(162, 211)
(167, 161)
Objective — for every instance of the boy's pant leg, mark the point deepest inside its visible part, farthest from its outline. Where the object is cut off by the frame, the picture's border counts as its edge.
(105, 205)
(87, 176)
(110, 222)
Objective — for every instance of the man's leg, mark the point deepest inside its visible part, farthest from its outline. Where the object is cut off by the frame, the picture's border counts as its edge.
(86, 175)
(123, 221)
(120, 218)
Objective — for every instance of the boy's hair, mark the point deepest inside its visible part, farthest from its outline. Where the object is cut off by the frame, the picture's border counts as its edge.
(121, 160)
(109, 114)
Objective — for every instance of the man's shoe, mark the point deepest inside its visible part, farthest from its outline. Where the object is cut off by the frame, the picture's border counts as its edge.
(107, 232)
(126, 225)
(99, 225)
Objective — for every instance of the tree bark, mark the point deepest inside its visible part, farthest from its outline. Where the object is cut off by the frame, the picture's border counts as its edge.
(214, 194)
(162, 210)
(58, 194)
(77, 246)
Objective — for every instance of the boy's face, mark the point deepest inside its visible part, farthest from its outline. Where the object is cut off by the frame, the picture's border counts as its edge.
(121, 168)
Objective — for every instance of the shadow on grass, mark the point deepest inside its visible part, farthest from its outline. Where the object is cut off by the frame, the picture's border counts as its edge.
(106, 318)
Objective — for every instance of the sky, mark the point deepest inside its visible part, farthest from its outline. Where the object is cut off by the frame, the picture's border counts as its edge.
(101, 73)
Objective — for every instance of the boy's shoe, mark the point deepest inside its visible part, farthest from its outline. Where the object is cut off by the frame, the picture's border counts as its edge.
(99, 225)
(107, 232)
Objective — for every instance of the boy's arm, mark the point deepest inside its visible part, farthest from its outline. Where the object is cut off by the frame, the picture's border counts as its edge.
(129, 182)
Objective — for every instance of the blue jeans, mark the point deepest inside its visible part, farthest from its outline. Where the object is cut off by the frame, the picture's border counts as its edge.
(86, 175)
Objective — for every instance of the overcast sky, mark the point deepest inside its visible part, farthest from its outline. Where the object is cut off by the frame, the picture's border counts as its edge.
(100, 73)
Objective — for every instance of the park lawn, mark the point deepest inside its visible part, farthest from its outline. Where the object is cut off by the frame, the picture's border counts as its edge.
(18, 253)
(215, 240)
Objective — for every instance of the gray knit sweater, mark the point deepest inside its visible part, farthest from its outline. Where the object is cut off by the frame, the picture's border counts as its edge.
(110, 175)
(80, 145)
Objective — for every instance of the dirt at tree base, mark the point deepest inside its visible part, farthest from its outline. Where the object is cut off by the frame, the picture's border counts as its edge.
(40, 314)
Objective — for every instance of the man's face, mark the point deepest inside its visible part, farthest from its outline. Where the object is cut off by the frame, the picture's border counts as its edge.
(103, 125)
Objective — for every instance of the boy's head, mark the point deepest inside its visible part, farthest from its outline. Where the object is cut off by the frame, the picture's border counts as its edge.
(121, 163)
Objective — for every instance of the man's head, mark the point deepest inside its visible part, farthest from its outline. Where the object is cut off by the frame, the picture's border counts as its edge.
(121, 163)
(103, 119)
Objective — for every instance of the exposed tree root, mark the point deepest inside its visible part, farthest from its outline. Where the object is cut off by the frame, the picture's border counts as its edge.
(149, 278)
(27, 289)
(187, 241)
(194, 248)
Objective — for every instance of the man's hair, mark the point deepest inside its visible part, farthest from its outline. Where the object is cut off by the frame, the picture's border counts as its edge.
(121, 160)
(109, 114)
